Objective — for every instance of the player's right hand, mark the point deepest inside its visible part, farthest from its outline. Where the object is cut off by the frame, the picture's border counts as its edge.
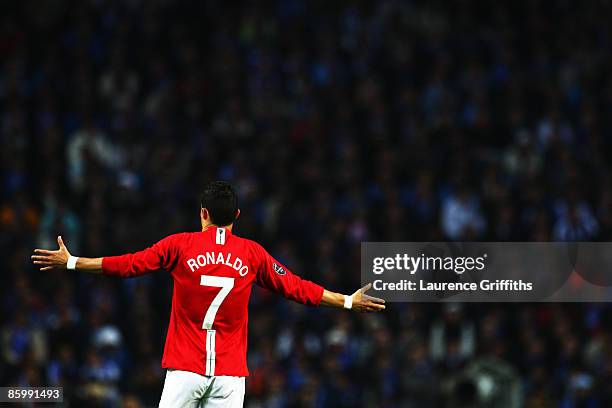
(365, 303)
(49, 260)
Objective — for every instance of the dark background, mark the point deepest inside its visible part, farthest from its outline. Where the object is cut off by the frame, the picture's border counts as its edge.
(337, 122)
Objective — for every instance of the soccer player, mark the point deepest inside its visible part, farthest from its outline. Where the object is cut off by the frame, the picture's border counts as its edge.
(213, 271)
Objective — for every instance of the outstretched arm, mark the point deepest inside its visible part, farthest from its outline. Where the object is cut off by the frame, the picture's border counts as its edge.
(161, 255)
(49, 260)
(276, 277)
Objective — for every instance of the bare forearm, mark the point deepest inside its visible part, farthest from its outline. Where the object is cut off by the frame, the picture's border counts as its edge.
(93, 265)
(332, 299)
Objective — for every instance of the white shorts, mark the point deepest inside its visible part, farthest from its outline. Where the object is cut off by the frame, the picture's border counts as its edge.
(187, 389)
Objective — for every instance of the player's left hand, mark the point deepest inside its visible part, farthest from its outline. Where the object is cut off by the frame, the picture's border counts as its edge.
(365, 303)
(49, 260)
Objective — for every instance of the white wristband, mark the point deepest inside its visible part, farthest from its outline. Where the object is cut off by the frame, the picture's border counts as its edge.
(71, 264)
(348, 302)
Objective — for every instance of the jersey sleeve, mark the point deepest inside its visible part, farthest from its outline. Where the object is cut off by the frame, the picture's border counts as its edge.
(161, 255)
(273, 275)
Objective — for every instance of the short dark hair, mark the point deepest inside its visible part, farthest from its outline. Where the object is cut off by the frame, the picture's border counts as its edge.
(221, 202)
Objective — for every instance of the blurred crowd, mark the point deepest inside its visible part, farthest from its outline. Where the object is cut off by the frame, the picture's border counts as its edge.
(337, 122)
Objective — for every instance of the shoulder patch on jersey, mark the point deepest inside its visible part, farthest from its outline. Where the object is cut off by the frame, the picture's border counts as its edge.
(278, 269)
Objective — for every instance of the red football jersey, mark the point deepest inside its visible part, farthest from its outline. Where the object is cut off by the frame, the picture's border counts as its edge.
(213, 272)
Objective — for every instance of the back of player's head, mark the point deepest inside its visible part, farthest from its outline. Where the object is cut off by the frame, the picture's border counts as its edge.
(221, 202)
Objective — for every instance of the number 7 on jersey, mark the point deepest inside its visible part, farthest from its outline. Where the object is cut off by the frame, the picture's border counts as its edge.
(226, 285)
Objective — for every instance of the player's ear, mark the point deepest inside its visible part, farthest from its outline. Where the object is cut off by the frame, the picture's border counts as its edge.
(237, 214)
(203, 213)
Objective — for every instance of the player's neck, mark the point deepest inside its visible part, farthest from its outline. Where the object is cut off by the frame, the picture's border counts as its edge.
(208, 225)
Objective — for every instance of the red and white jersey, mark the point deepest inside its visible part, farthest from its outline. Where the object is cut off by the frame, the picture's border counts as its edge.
(213, 272)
